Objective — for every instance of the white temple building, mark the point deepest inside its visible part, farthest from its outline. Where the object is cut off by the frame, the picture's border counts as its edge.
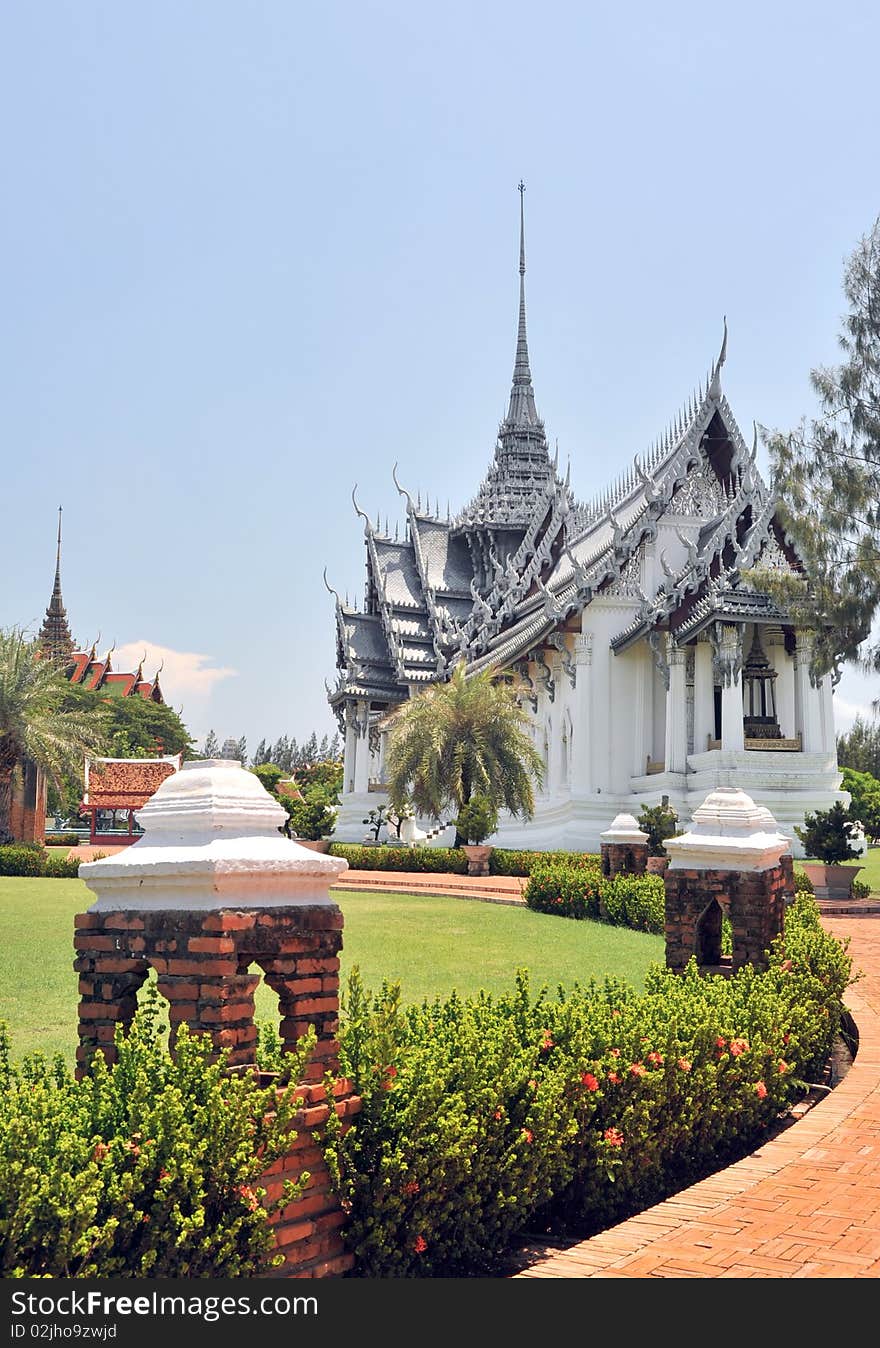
(648, 665)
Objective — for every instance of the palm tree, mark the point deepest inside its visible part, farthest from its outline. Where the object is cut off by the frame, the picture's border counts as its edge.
(459, 738)
(33, 721)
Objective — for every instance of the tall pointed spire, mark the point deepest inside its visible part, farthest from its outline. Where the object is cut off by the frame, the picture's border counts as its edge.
(55, 635)
(521, 408)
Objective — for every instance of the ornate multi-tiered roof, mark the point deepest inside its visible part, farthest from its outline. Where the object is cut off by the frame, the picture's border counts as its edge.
(497, 580)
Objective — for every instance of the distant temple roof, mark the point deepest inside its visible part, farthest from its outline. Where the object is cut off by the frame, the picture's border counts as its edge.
(55, 635)
(492, 582)
(83, 667)
(125, 783)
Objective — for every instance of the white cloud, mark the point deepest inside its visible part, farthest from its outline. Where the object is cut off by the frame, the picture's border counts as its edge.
(184, 673)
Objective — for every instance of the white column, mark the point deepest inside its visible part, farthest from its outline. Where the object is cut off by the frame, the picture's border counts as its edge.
(808, 696)
(676, 711)
(348, 761)
(640, 718)
(826, 693)
(704, 697)
(600, 716)
(732, 734)
(362, 750)
(581, 764)
(556, 783)
(783, 663)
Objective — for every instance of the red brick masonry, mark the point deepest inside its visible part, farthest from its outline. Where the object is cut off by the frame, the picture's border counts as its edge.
(201, 961)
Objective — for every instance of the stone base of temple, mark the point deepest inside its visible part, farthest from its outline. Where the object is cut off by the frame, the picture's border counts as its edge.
(789, 784)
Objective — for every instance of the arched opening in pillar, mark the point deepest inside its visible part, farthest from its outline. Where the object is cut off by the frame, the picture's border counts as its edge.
(148, 996)
(716, 692)
(267, 1016)
(707, 937)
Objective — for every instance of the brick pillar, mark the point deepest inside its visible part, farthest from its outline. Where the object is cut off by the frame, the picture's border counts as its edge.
(733, 861)
(624, 847)
(211, 890)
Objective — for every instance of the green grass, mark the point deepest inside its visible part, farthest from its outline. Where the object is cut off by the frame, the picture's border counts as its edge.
(431, 944)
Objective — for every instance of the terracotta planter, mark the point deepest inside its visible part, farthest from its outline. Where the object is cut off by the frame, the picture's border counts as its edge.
(830, 882)
(319, 845)
(478, 858)
(657, 865)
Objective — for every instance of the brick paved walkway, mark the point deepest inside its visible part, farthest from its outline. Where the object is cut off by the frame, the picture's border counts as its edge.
(488, 888)
(805, 1205)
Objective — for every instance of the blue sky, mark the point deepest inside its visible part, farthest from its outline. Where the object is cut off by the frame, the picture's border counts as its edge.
(253, 254)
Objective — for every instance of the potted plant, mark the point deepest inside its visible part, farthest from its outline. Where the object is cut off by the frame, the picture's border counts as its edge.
(827, 836)
(476, 821)
(659, 822)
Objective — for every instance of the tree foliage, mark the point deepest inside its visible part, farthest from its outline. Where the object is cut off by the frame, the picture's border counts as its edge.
(461, 737)
(864, 790)
(826, 474)
(36, 720)
(860, 748)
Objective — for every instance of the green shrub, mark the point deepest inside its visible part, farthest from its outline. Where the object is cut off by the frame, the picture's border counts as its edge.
(637, 901)
(486, 1116)
(149, 1168)
(802, 883)
(22, 859)
(62, 839)
(564, 891)
(477, 819)
(861, 889)
(659, 822)
(427, 859)
(512, 861)
(61, 868)
(826, 835)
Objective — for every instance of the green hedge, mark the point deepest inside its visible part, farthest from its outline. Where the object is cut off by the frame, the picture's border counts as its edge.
(802, 883)
(484, 1117)
(636, 901)
(22, 859)
(511, 861)
(62, 839)
(150, 1168)
(383, 858)
(29, 859)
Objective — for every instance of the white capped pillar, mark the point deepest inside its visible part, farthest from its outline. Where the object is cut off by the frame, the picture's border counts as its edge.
(676, 710)
(704, 697)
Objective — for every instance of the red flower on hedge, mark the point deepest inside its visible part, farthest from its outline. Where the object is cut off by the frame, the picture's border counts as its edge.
(101, 1150)
(546, 1042)
(783, 1067)
(760, 1090)
(589, 1081)
(614, 1078)
(684, 1064)
(786, 966)
(615, 1052)
(498, 1114)
(614, 1137)
(720, 1042)
(528, 1135)
(655, 1059)
(411, 1188)
(738, 1046)
(420, 1245)
(638, 1069)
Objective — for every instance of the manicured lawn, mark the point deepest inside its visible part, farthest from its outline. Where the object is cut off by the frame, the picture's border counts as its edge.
(430, 944)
